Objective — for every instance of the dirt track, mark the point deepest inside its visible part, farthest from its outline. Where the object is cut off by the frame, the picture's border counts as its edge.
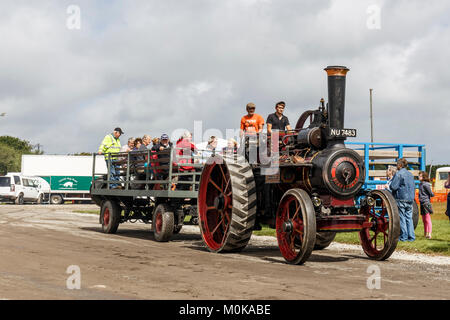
(39, 243)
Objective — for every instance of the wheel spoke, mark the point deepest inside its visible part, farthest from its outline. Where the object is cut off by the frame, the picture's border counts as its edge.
(223, 175)
(215, 185)
(218, 225)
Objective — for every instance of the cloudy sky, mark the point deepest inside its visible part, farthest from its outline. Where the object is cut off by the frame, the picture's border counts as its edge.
(156, 66)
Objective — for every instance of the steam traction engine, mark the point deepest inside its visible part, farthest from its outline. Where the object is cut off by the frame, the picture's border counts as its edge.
(313, 192)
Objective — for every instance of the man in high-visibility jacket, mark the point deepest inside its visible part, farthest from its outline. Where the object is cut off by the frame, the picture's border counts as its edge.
(109, 147)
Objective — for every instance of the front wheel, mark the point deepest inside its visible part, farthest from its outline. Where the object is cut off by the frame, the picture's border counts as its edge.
(20, 199)
(296, 226)
(379, 239)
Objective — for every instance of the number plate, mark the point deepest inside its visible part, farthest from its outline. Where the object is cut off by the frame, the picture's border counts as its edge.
(342, 133)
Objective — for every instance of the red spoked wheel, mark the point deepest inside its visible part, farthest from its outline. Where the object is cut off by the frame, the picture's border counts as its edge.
(110, 216)
(296, 226)
(163, 222)
(379, 240)
(226, 204)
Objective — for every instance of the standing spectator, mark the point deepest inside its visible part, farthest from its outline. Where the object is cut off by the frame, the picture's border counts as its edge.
(110, 147)
(129, 146)
(390, 173)
(403, 190)
(447, 186)
(276, 120)
(425, 195)
(251, 123)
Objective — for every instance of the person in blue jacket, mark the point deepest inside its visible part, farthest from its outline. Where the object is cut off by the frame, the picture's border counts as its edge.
(403, 190)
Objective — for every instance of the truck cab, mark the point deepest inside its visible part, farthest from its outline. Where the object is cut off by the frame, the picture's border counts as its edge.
(441, 177)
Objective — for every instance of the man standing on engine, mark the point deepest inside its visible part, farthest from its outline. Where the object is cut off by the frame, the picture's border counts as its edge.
(252, 122)
(110, 147)
(403, 190)
(278, 121)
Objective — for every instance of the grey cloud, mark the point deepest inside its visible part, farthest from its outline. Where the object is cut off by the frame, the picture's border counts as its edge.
(153, 66)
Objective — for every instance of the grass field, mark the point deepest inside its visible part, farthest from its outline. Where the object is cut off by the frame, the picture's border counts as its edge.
(439, 244)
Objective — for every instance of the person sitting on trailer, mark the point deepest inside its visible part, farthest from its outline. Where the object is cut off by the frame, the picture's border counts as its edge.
(129, 146)
(210, 149)
(146, 140)
(231, 148)
(163, 144)
(185, 148)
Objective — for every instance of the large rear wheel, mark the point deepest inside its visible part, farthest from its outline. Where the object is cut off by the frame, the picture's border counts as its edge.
(226, 204)
(296, 226)
(379, 240)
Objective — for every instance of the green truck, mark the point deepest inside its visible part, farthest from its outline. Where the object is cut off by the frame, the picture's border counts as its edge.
(68, 177)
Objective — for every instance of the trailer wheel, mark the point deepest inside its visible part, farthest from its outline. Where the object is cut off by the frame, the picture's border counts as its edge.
(19, 199)
(379, 240)
(324, 239)
(110, 216)
(56, 199)
(163, 223)
(226, 204)
(296, 226)
(415, 214)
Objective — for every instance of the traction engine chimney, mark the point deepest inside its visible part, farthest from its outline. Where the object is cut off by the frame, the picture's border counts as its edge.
(336, 98)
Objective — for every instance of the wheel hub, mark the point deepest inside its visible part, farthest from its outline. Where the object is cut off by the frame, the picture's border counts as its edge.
(288, 226)
(219, 202)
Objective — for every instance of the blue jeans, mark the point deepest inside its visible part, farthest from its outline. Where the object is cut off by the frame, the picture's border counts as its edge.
(405, 211)
(112, 173)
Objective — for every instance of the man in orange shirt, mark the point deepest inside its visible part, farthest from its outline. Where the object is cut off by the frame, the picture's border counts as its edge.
(252, 122)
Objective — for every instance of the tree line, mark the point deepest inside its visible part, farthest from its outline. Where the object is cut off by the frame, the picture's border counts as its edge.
(11, 151)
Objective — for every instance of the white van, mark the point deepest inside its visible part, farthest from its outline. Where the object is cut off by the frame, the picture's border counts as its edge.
(20, 189)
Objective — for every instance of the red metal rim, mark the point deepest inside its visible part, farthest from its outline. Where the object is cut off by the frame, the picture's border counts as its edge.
(106, 215)
(290, 242)
(158, 222)
(215, 203)
(375, 238)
